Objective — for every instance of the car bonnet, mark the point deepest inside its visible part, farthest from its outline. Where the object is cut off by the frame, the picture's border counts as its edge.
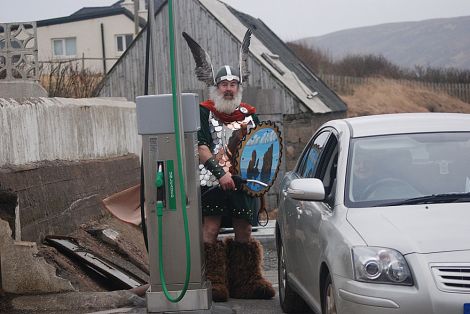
(425, 228)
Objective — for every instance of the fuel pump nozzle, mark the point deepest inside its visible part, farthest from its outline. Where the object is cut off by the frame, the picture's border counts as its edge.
(239, 181)
(159, 184)
(159, 176)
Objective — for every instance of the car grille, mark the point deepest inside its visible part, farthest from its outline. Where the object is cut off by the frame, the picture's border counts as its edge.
(452, 277)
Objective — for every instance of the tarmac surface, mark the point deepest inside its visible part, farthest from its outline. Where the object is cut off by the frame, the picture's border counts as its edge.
(124, 301)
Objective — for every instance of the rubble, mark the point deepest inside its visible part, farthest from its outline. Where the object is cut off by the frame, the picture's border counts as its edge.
(22, 271)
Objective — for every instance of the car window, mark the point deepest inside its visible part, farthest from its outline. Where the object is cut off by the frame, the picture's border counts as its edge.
(392, 168)
(327, 169)
(308, 163)
(328, 164)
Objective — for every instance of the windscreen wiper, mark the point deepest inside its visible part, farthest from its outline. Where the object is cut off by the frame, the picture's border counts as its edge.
(434, 198)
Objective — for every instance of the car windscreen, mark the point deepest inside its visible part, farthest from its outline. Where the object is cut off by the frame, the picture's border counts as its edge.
(408, 169)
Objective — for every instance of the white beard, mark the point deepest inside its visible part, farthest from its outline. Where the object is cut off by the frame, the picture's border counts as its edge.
(224, 105)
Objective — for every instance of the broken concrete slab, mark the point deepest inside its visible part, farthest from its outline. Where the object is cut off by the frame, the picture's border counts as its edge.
(5, 235)
(22, 271)
(5, 240)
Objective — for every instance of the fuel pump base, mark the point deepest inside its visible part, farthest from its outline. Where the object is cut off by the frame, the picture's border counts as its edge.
(158, 303)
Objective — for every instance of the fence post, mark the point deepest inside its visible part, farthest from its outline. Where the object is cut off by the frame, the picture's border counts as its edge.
(83, 61)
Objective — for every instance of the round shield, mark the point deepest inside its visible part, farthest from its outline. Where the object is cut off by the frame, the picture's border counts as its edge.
(258, 158)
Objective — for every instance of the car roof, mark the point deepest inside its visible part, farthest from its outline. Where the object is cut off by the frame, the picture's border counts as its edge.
(402, 123)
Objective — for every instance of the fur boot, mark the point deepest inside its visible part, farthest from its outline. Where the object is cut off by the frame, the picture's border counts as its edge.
(244, 271)
(216, 270)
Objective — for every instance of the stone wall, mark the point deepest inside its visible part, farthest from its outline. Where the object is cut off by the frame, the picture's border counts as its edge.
(57, 196)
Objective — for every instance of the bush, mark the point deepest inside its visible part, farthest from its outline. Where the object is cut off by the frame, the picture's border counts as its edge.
(367, 66)
(373, 66)
(315, 59)
(66, 79)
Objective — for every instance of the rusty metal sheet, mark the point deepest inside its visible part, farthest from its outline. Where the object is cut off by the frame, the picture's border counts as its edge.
(92, 261)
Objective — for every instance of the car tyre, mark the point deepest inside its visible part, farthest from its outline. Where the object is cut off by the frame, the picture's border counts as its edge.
(328, 303)
(290, 301)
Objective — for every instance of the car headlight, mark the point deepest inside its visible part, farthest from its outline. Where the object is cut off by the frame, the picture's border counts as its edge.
(380, 265)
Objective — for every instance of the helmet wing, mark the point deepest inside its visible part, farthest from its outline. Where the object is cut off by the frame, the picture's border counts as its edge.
(244, 73)
(204, 70)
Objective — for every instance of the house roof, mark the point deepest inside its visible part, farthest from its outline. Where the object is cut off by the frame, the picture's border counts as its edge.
(117, 3)
(290, 60)
(158, 6)
(87, 13)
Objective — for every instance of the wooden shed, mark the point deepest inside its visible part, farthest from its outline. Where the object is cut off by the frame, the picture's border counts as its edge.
(280, 86)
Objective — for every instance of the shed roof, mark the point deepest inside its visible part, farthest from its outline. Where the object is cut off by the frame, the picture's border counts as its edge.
(278, 59)
(290, 60)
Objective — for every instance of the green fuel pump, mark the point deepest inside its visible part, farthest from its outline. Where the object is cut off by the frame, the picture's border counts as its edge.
(168, 230)
(173, 216)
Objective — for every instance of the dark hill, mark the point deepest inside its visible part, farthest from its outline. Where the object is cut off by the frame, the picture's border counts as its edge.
(436, 42)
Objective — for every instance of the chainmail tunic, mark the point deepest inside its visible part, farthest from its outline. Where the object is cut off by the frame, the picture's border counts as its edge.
(217, 135)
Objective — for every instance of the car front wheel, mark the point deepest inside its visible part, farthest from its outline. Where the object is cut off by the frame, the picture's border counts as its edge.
(290, 301)
(328, 295)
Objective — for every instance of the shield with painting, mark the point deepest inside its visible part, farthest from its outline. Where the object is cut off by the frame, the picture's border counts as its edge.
(258, 158)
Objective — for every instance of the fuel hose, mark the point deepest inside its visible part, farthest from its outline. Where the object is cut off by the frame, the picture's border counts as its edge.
(179, 154)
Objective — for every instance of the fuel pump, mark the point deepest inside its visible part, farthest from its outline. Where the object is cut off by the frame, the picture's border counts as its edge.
(177, 281)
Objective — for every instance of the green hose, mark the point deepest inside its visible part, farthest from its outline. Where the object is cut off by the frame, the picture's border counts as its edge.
(181, 181)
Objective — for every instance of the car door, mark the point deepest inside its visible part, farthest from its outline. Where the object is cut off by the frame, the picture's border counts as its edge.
(306, 167)
(312, 215)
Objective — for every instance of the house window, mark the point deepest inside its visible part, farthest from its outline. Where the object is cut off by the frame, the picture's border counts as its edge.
(123, 42)
(64, 47)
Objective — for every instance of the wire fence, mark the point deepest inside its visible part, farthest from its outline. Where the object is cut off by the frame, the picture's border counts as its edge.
(94, 64)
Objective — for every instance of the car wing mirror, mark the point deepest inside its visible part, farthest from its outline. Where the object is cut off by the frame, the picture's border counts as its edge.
(308, 189)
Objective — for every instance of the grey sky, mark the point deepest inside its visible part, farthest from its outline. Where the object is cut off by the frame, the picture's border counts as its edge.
(290, 19)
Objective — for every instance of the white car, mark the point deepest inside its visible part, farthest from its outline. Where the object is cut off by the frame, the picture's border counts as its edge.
(375, 217)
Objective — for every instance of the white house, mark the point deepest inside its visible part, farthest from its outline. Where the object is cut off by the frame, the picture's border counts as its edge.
(93, 36)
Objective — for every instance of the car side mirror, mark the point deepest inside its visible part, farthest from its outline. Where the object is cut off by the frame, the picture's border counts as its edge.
(308, 189)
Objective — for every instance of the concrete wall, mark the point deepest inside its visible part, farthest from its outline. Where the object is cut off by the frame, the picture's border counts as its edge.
(88, 39)
(61, 157)
(37, 129)
(21, 88)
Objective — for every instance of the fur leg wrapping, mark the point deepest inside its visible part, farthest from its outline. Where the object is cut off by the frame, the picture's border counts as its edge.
(216, 270)
(244, 271)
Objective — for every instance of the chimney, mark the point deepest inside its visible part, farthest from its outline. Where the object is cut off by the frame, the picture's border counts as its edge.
(129, 5)
(143, 9)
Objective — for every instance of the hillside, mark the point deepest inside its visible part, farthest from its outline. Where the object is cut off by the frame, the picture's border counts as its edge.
(434, 42)
(389, 96)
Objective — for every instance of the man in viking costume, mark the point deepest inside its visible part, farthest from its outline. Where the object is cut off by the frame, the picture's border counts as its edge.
(233, 266)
